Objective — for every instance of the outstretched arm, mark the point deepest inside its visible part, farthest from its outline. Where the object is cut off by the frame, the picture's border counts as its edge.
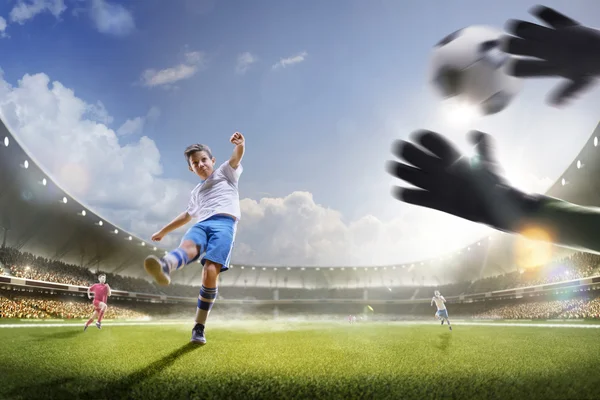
(238, 152)
(566, 224)
(109, 291)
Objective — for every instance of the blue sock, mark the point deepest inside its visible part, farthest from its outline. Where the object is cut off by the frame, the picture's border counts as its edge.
(176, 259)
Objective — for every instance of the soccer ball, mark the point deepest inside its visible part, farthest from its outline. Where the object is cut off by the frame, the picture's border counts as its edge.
(469, 65)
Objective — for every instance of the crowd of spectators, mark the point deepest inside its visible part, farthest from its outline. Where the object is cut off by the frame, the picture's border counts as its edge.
(576, 266)
(30, 308)
(556, 309)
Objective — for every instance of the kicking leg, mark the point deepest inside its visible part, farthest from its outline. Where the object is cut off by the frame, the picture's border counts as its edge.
(160, 268)
(206, 299)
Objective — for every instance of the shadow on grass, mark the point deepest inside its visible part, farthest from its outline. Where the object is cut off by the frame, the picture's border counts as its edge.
(58, 335)
(58, 389)
(445, 341)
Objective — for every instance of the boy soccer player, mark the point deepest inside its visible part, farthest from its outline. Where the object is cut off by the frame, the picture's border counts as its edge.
(101, 292)
(215, 204)
(442, 312)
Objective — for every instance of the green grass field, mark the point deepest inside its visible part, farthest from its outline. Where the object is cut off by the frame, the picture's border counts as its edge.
(300, 360)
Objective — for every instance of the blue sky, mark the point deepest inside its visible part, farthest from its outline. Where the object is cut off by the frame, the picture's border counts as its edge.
(355, 78)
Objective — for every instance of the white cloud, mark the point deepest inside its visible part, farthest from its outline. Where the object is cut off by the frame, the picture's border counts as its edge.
(131, 126)
(136, 125)
(27, 9)
(112, 19)
(2, 27)
(284, 62)
(194, 61)
(295, 230)
(244, 61)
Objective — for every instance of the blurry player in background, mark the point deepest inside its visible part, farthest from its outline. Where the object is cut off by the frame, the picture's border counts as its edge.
(442, 312)
(101, 292)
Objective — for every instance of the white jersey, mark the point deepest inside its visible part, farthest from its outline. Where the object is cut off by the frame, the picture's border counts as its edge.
(218, 194)
(439, 302)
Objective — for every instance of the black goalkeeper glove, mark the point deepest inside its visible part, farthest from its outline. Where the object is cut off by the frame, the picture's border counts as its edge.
(470, 188)
(567, 49)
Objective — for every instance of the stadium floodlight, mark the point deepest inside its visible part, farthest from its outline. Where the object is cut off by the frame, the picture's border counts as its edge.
(366, 268)
(302, 268)
(129, 238)
(154, 248)
(579, 164)
(478, 243)
(375, 269)
(318, 269)
(343, 268)
(394, 267)
(64, 200)
(563, 182)
(242, 267)
(275, 269)
(331, 269)
(25, 164)
(385, 268)
(253, 268)
(116, 231)
(288, 268)
(44, 182)
(143, 244)
(596, 141)
(264, 268)
(82, 213)
(6, 141)
(100, 223)
(468, 249)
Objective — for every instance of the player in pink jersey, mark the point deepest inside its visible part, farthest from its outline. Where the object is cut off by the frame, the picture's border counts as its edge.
(101, 292)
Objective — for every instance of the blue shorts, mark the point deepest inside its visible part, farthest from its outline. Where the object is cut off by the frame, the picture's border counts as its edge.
(214, 237)
(442, 313)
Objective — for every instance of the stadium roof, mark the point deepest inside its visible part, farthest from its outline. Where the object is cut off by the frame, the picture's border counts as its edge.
(40, 217)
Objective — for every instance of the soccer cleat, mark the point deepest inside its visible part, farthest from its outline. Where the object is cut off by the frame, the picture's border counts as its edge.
(442, 322)
(198, 334)
(158, 269)
(98, 325)
(85, 328)
(450, 327)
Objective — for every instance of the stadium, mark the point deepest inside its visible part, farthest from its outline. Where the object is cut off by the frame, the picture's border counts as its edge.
(280, 318)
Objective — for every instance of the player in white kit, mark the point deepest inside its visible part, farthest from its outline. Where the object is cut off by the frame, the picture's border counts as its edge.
(215, 205)
(442, 311)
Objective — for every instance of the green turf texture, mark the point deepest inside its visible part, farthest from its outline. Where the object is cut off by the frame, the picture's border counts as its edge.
(271, 360)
